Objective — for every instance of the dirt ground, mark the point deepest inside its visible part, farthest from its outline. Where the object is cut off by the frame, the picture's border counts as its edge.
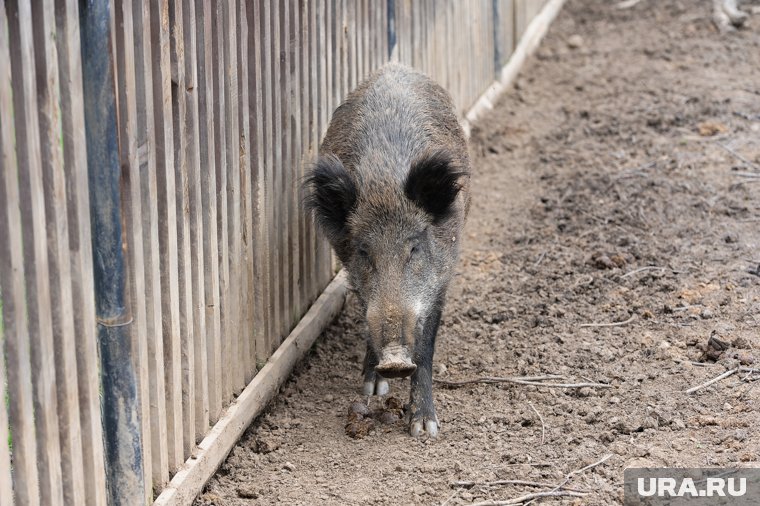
(613, 184)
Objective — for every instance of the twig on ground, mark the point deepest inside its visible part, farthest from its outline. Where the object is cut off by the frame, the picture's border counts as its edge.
(613, 324)
(747, 174)
(543, 426)
(570, 475)
(529, 497)
(723, 376)
(738, 156)
(540, 259)
(642, 269)
(470, 484)
(520, 381)
(451, 497)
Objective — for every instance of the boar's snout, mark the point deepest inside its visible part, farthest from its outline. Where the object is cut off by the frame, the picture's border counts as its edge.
(395, 362)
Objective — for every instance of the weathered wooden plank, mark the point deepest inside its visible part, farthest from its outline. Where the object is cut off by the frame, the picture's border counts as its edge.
(207, 148)
(194, 215)
(269, 157)
(146, 150)
(259, 238)
(184, 254)
(167, 228)
(34, 240)
(189, 481)
(276, 162)
(317, 58)
(220, 139)
(75, 169)
(132, 213)
(247, 351)
(297, 157)
(16, 338)
(285, 172)
(234, 236)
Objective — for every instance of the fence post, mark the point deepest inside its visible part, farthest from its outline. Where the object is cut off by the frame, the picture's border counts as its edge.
(119, 406)
(391, 29)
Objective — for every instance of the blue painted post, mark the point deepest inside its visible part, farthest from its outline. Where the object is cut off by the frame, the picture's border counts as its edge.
(391, 27)
(119, 407)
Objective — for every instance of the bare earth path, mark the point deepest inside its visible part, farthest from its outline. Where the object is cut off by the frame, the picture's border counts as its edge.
(613, 184)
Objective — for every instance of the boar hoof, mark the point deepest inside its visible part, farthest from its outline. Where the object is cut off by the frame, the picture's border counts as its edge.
(430, 427)
(378, 386)
(395, 362)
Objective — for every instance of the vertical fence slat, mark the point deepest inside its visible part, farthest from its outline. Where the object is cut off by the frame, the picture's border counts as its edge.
(167, 225)
(285, 172)
(199, 367)
(184, 255)
(207, 145)
(276, 174)
(297, 161)
(147, 153)
(317, 52)
(16, 338)
(132, 207)
(304, 88)
(33, 231)
(259, 239)
(220, 139)
(269, 157)
(248, 350)
(78, 207)
(233, 193)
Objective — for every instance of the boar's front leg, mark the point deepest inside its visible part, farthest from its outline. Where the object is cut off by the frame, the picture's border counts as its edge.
(374, 384)
(421, 409)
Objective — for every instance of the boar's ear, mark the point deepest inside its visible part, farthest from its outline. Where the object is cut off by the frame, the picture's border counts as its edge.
(331, 194)
(433, 184)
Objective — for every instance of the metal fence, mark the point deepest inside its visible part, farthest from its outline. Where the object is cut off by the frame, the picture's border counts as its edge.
(154, 252)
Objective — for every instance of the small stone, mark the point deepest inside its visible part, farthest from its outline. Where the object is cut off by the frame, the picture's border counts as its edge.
(615, 400)
(711, 128)
(585, 392)
(329, 398)
(388, 418)
(650, 422)
(574, 41)
(740, 434)
(247, 492)
(678, 424)
(359, 408)
(288, 466)
(664, 345)
(706, 314)
(727, 407)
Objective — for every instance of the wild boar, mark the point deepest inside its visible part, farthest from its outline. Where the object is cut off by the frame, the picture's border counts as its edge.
(390, 191)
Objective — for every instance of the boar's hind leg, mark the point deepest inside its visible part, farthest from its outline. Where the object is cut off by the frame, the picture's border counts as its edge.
(421, 410)
(374, 384)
